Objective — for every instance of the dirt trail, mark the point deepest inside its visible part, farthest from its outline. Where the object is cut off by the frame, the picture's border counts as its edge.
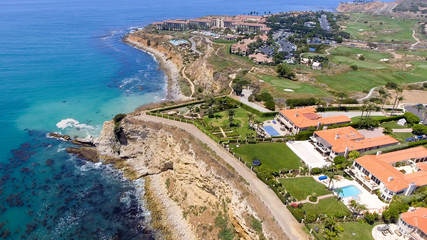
(416, 39)
(189, 81)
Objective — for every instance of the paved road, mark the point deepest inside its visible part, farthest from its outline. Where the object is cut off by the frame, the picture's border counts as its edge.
(244, 99)
(193, 46)
(278, 210)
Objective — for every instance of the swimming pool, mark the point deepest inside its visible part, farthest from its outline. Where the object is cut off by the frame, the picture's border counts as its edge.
(349, 191)
(270, 130)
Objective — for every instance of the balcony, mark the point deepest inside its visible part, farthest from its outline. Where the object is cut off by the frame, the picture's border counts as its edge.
(363, 180)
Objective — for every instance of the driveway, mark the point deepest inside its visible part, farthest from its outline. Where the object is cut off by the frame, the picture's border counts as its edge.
(244, 99)
(278, 210)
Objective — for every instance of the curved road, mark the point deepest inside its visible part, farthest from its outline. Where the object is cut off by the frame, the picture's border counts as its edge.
(193, 46)
(278, 210)
(369, 94)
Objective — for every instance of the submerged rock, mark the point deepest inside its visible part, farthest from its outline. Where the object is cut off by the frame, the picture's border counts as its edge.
(87, 153)
(60, 136)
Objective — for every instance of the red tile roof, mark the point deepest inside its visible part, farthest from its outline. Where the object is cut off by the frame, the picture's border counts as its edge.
(348, 137)
(307, 117)
(417, 218)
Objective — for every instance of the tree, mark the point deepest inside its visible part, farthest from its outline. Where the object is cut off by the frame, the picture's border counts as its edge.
(353, 155)
(354, 67)
(371, 217)
(384, 96)
(341, 96)
(148, 42)
(339, 160)
(285, 71)
(419, 129)
(411, 118)
(362, 58)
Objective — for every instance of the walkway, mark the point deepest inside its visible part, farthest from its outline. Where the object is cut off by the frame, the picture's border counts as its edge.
(189, 81)
(278, 210)
(416, 39)
(318, 198)
(193, 46)
(403, 130)
(369, 94)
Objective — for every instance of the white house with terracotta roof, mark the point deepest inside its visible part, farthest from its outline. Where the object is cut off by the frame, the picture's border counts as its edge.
(260, 58)
(394, 173)
(301, 119)
(414, 224)
(341, 141)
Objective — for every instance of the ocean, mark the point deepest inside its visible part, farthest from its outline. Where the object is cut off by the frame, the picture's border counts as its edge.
(62, 61)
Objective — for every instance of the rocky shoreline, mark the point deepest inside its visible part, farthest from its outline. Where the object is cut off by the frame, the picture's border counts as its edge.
(167, 65)
(189, 191)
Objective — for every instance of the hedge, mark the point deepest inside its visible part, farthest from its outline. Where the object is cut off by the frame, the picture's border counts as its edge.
(177, 106)
(253, 110)
(342, 109)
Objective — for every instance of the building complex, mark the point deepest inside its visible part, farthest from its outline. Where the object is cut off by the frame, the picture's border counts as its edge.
(394, 173)
(414, 223)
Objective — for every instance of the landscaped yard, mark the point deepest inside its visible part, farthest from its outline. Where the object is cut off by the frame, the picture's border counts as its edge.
(392, 125)
(352, 230)
(273, 156)
(329, 206)
(402, 136)
(300, 188)
(240, 119)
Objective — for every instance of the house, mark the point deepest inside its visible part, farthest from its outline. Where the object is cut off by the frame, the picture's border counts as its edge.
(315, 41)
(341, 141)
(240, 49)
(393, 173)
(301, 119)
(316, 66)
(414, 224)
(260, 58)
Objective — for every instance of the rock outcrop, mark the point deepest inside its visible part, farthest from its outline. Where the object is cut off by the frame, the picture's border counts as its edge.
(199, 197)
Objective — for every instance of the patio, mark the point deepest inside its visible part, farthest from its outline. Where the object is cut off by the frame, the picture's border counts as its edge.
(308, 153)
(274, 124)
(377, 234)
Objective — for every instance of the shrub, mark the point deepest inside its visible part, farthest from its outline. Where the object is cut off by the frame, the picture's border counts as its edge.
(312, 198)
(354, 67)
(339, 160)
(387, 130)
(419, 129)
(316, 171)
(284, 71)
(301, 102)
(303, 135)
(411, 118)
(371, 217)
(119, 117)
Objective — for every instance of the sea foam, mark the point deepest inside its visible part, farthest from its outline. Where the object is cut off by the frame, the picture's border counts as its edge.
(72, 123)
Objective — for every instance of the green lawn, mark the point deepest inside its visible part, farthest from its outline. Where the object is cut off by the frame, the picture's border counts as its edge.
(353, 52)
(357, 119)
(240, 118)
(274, 156)
(380, 28)
(329, 206)
(392, 125)
(402, 136)
(298, 87)
(359, 63)
(362, 231)
(300, 188)
(358, 81)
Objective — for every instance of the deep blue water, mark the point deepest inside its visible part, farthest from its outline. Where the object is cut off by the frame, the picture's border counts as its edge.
(63, 59)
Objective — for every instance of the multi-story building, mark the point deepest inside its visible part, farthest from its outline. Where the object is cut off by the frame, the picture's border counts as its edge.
(414, 224)
(341, 141)
(201, 23)
(394, 173)
(301, 119)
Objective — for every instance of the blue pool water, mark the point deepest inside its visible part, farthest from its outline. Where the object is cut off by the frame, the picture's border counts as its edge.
(349, 191)
(270, 130)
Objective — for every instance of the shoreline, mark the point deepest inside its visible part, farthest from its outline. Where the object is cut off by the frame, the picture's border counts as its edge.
(167, 66)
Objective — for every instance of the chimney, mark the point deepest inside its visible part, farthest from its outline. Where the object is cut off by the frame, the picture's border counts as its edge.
(390, 179)
(379, 152)
(296, 115)
(319, 125)
(337, 136)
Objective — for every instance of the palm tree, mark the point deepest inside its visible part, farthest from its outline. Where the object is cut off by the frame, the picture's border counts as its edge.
(384, 97)
(396, 99)
(331, 177)
(419, 107)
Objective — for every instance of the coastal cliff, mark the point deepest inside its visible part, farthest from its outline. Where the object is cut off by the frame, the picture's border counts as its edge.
(191, 193)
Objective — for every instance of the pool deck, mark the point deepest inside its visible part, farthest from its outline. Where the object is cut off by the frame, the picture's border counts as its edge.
(377, 235)
(371, 201)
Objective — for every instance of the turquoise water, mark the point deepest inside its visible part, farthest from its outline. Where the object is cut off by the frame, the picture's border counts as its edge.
(349, 191)
(270, 130)
(64, 59)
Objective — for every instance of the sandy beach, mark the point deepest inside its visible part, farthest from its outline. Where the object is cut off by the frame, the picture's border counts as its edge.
(170, 68)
